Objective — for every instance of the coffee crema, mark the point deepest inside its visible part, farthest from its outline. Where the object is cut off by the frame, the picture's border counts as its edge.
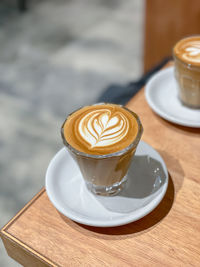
(100, 129)
(188, 50)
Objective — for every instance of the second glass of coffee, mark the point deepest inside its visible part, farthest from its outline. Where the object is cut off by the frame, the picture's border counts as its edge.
(102, 139)
(187, 70)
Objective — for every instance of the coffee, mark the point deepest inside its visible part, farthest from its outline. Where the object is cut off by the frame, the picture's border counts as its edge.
(187, 70)
(102, 139)
(188, 50)
(100, 129)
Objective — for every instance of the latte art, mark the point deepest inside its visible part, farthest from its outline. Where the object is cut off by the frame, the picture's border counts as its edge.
(99, 128)
(188, 50)
(192, 52)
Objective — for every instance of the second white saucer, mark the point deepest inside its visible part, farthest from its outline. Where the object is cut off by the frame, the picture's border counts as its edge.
(162, 96)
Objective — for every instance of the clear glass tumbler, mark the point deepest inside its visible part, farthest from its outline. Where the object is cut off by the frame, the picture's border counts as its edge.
(105, 174)
(187, 74)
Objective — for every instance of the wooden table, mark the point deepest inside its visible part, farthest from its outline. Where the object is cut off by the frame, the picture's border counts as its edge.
(169, 236)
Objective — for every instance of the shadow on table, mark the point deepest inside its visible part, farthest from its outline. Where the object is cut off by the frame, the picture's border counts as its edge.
(138, 227)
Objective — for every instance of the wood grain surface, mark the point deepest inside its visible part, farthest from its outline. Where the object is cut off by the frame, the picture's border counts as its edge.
(169, 236)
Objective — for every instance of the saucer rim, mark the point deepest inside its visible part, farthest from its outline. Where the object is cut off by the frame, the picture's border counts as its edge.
(131, 217)
(157, 109)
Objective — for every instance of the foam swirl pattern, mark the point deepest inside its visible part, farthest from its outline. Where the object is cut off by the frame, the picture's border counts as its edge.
(100, 129)
(188, 50)
(192, 52)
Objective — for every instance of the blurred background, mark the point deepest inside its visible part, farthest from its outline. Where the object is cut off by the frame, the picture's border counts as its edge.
(55, 57)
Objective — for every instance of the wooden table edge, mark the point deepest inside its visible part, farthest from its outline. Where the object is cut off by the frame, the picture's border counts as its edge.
(11, 221)
(10, 241)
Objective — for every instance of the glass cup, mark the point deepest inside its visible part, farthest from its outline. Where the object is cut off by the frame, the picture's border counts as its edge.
(187, 75)
(105, 174)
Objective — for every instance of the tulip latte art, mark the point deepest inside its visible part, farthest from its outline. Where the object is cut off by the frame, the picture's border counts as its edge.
(101, 129)
(188, 50)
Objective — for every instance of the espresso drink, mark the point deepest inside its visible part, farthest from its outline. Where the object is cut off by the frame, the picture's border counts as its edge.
(187, 70)
(100, 129)
(102, 138)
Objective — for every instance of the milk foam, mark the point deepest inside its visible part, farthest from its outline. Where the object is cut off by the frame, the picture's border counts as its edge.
(192, 51)
(100, 128)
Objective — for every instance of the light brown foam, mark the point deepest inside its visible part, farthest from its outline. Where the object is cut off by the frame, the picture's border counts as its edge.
(188, 50)
(100, 129)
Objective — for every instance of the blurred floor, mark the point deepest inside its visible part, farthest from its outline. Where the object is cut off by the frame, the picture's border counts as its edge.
(54, 58)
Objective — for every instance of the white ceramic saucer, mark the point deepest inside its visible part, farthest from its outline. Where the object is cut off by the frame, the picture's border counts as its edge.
(162, 96)
(146, 186)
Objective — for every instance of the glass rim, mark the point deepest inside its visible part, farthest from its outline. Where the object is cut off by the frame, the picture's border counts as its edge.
(115, 154)
(189, 65)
